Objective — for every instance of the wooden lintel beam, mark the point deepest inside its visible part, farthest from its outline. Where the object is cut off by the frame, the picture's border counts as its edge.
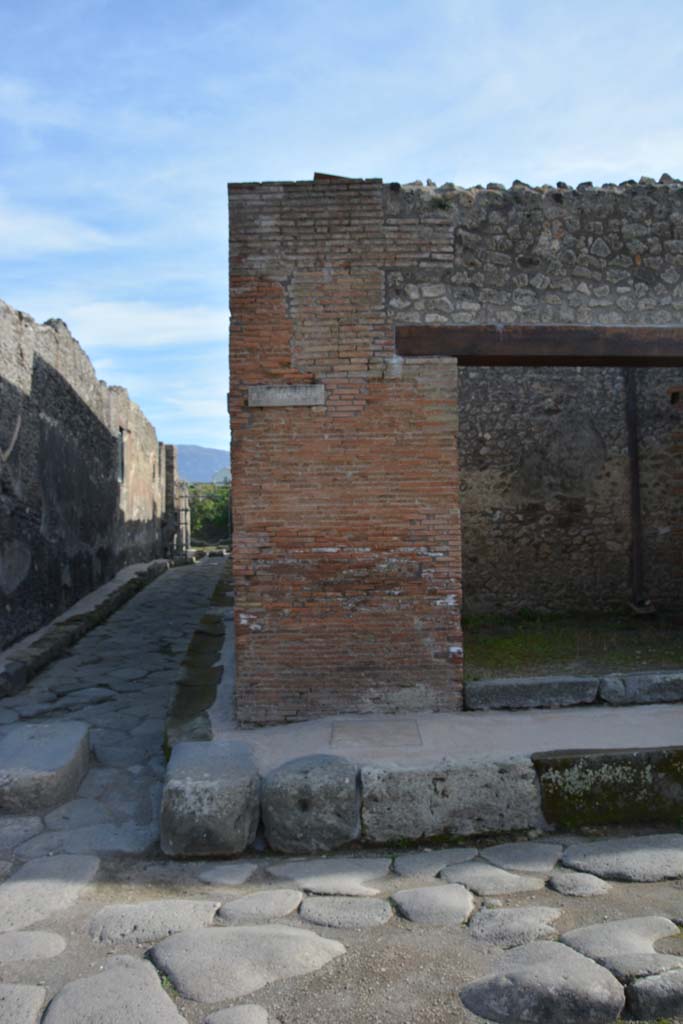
(544, 344)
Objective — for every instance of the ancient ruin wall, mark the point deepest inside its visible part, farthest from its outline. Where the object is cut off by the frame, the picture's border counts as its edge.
(67, 523)
(543, 452)
(347, 556)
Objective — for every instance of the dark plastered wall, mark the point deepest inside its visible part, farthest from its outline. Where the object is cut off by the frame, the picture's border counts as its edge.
(62, 532)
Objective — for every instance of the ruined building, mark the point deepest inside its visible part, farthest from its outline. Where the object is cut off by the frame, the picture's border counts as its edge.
(85, 486)
(438, 392)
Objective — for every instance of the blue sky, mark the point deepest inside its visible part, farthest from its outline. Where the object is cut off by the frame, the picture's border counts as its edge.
(121, 122)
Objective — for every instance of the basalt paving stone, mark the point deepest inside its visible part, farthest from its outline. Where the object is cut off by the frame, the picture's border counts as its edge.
(18, 946)
(258, 954)
(532, 857)
(346, 911)
(487, 880)
(626, 948)
(21, 1004)
(43, 887)
(545, 983)
(248, 1013)
(656, 998)
(231, 874)
(448, 905)
(260, 906)
(77, 813)
(577, 883)
(126, 991)
(636, 859)
(16, 829)
(428, 863)
(150, 921)
(336, 876)
(7, 716)
(514, 926)
(107, 838)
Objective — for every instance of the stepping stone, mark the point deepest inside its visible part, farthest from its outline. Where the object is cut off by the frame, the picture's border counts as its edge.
(125, 991)
(261, 906)
(487, 880)
(577, 883)
(248, 1013)
(195, 961)
(345, 911)
(545, 983)
(15, 830)
(535, 858)
(211, 801)
(311, 804)
(626, 948)
(338, 876)
(435, 904)
(234, 874)
(636, 859)
(147, 922)
(42, 764)
(514, 926)
(21, 1004)
(428, 863)
(17, 946)
(656, 998)
(42, 888)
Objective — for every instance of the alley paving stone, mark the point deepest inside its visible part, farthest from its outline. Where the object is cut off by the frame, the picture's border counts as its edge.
(249, 1013)
(150, 921)
(21, 1004)
(42, 887)
(514, 926)
(626, 948)
(338, 876)
(428, 863)
(532, 857)
(546, 983)
(229, 874)
(258, 954)
(577, 883)
(127, 991)
(435, 904)
(261, 906)
(346, 911)
(17, 946)
(16, 830)
(636, 859)
(487, 880)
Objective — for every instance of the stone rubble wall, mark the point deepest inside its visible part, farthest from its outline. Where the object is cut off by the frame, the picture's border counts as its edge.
(66, 523)
(544, 464)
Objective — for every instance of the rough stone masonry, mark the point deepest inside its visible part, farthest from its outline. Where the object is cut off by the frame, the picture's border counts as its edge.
(347, 543)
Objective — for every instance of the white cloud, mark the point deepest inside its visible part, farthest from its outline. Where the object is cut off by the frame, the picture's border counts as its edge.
(25, 234)
(21, 105)
(144, 324)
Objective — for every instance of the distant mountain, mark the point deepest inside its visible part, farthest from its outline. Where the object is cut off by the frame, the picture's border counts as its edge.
(200, 465)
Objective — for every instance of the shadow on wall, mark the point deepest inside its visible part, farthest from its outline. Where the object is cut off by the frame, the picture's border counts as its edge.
(63, 531)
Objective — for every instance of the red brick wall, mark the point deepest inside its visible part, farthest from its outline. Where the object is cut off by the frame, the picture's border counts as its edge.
(346, 520)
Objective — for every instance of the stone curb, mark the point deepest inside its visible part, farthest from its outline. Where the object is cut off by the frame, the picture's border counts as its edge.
(56, 639)
(617, 689)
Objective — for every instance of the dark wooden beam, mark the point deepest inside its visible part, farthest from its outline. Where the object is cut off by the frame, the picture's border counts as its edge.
(545, 345)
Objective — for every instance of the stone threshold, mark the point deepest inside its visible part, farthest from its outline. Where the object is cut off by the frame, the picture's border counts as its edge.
(23, 660)
(661, 686)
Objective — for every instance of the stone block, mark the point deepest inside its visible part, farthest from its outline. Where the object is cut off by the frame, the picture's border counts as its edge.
(311, 804)
(611, 787)
(642, 688)
(451, 798)
(210, 803)
(42, 764)
(540, 692)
